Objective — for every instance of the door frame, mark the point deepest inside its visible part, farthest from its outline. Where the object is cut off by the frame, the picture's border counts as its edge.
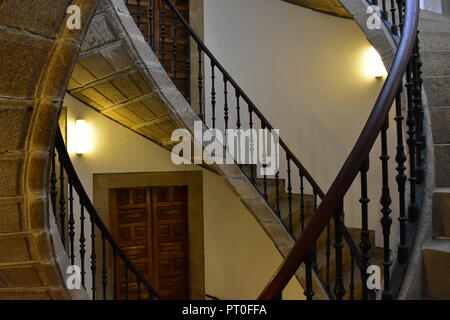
(103, 182)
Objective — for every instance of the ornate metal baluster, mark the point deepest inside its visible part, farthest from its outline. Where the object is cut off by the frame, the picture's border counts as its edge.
(277, 185)
(401, 178)
(175, 50)
(309, 292)
(328, 256)
(138, 14)
(238, 110)
(411, 141)
(104, 271)
(71, 226)
(151, 30)
(314, 247)
(82, 245)
(384, 13)
(225, 108)
(264, 161)
(419, 112)
(252, 144)
(386, 220)
(394, 27)
(53, 181)
(289, 190)
(188, 69)
(200, 84)
(213, 94)
(163, 34)
(115, 296)
(339, 289)
(62, 203)
(365, 244)
(93, 259)
(352, 277)
(302, 202)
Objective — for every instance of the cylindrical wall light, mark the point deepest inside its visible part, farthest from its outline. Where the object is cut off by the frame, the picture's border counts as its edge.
(81, 138)
(373, 64)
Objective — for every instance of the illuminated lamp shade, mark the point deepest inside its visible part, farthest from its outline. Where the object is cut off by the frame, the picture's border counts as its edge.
(81, 138)
(373, 64)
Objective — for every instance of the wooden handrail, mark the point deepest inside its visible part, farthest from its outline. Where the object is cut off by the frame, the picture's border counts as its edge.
(355, 160)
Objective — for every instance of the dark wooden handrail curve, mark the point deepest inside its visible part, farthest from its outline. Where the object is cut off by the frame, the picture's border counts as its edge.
(355, 160)
(97, 220)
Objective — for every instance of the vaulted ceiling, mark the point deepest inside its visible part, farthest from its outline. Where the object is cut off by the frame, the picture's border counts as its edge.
(328, 6)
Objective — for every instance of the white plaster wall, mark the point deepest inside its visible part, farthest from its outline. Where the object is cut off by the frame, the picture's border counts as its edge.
(431, 5)
(306, 71)
(239, 257)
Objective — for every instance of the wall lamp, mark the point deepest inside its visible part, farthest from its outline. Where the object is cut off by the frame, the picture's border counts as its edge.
(81, 137)
(374, 64)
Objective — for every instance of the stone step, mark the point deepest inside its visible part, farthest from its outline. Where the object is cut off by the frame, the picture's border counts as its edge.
(435, 41)
(437, 63)
(441, 163)
(438, 91)
(440, 119)
(436, 259)
(428, 24)
(441, 214)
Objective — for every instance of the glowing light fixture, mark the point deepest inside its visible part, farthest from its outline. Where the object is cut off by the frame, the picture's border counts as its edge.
(373, 64)
(81, 138)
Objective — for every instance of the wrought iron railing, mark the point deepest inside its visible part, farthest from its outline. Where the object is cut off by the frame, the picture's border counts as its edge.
(106, 271)
(404, 77)
(227, 106)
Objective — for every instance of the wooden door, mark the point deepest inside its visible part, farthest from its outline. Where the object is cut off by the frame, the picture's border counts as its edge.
(150, 225)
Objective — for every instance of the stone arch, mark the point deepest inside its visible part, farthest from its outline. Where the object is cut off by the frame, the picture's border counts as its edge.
(37, 54)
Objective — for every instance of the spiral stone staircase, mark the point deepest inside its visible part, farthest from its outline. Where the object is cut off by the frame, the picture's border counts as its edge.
(111, 52)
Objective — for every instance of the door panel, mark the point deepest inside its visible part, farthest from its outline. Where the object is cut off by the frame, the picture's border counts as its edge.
(150, 225)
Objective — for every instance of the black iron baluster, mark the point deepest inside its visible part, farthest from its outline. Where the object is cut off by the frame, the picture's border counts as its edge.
(188, 69)
(71, 226)
(53, 181)
(401, 178)
(104, 271)
(328, 257)
(115, 296)
(339, 289)
(163, 34)
(365, 244)
(419, 112)
(225, 109)
(238, 110)
(352, 277)
(200, 84)
(213, 94)
(309, 292)
(82, 245)
(314, 247)
(394, 26)
(411, 141)
(175, 50)
(386, 220)
(93, 259)
(302, 201)
(62, 203)
(252, 144)
(127, 296)
(151, 29)
(384, 13)
(264, 161)
(289, 190)
(277, 200)
(138, 14)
